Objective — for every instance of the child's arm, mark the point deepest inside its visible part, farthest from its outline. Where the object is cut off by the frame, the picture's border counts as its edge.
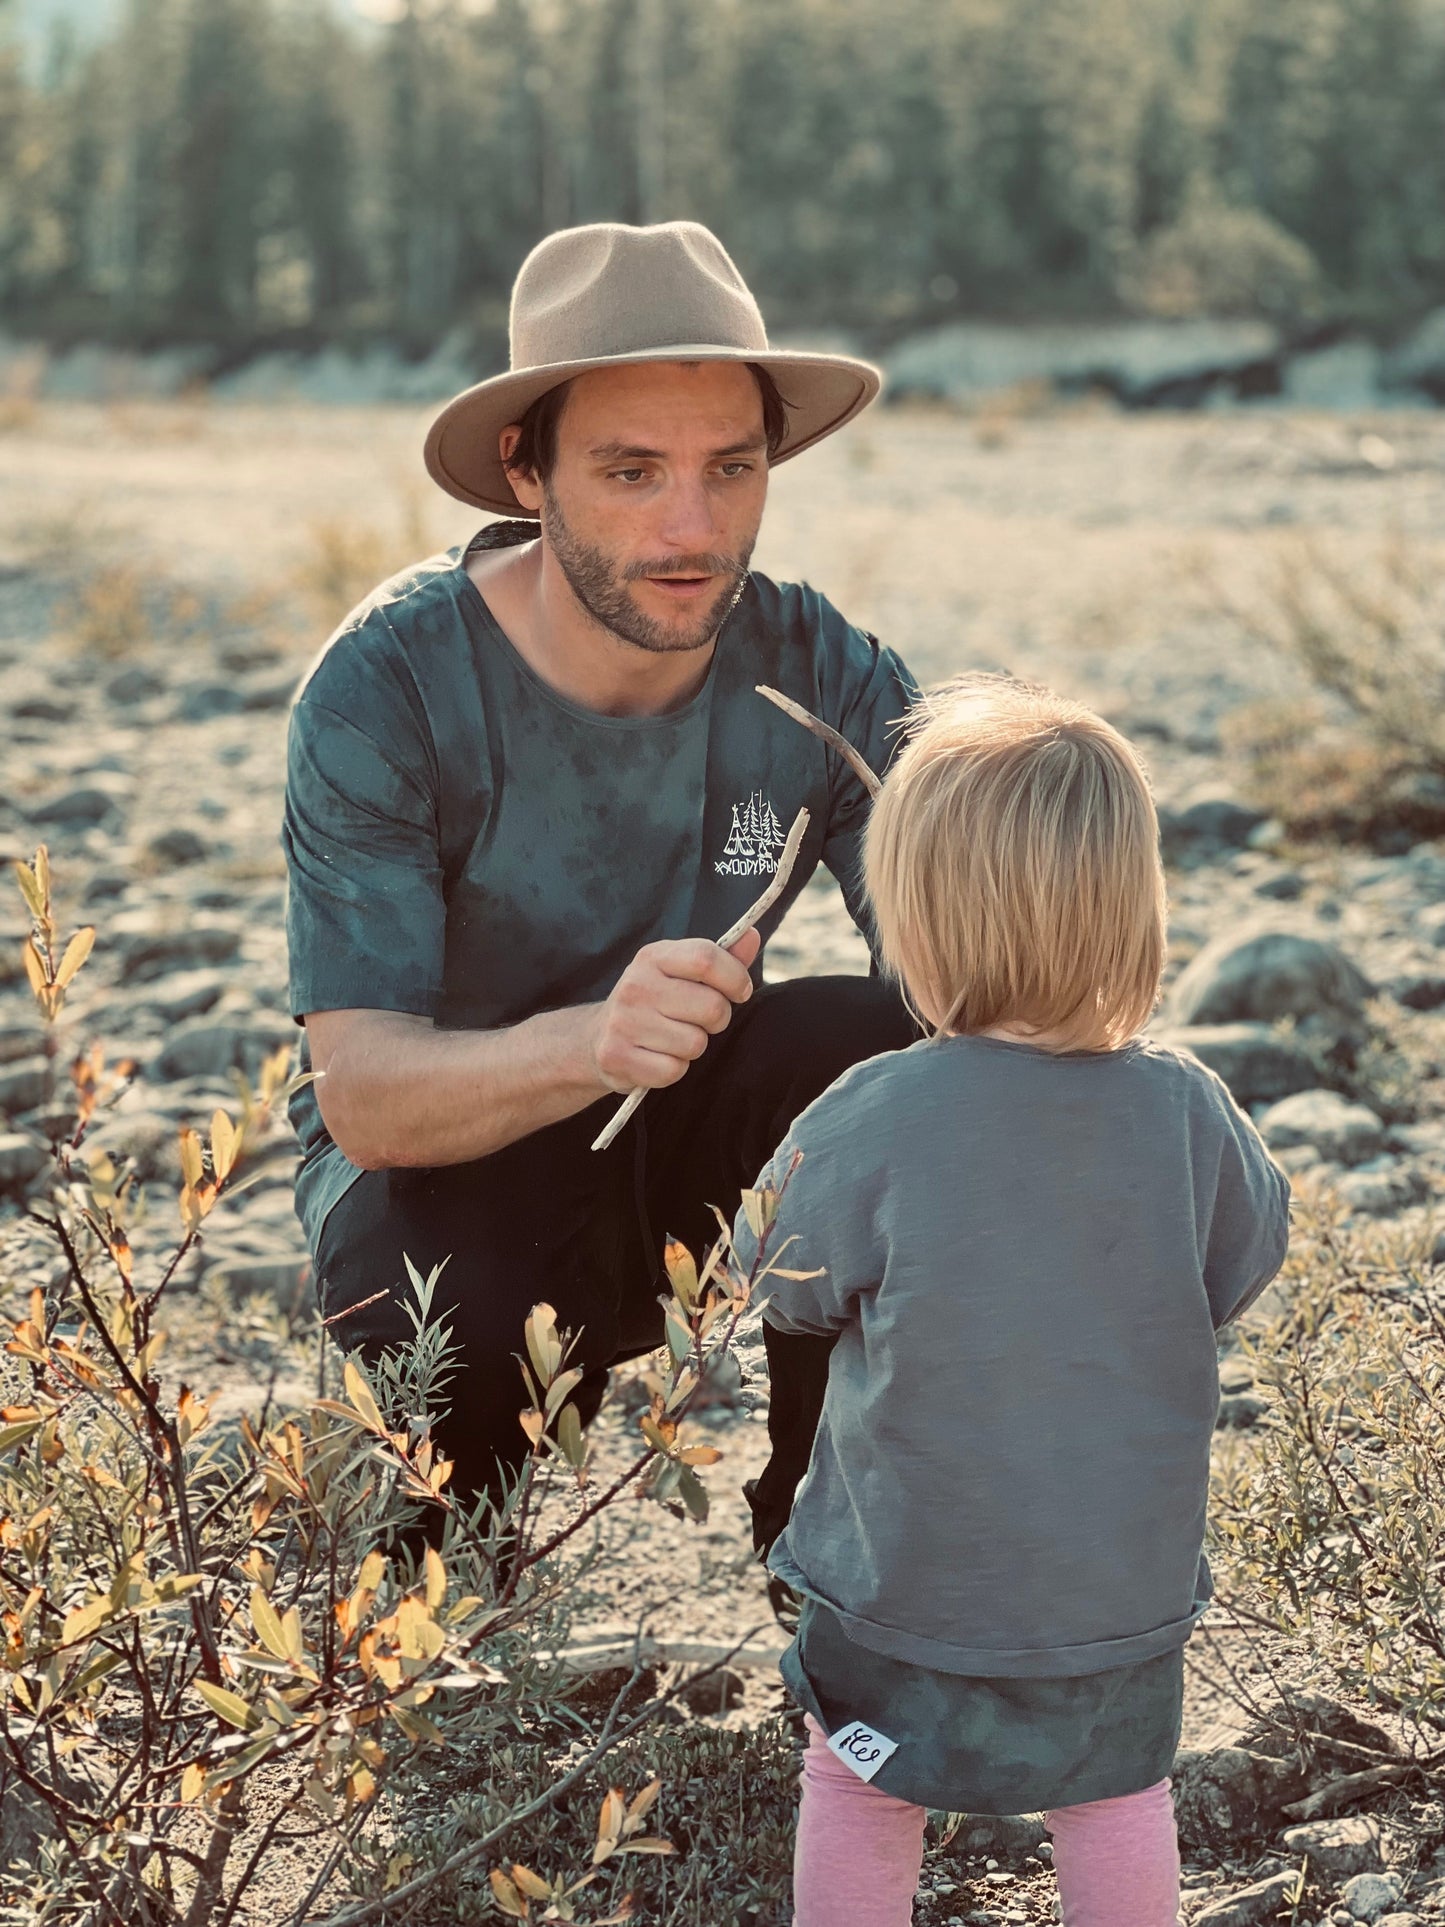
(1249, 1226)
(815, 1230)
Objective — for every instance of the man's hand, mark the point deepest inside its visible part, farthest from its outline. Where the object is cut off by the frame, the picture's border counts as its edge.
(671, 1000)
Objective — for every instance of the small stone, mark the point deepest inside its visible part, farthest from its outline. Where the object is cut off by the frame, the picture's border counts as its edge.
(177, 845)
(211, 1050)
(148, 952)
(1422, 990)
(21, 1157)
(187, 994)
(1337, 1848)
(1265, 976)
(1431, 924)
(23, 1085)
(1239, 1410)
(88, 806)
(199, 702)
(1343, 1132)
(133, 685)
(1207, 827)
(106, 885)
(270, 691)
(20, 1040)
(43, 709)
(1284, 886)
(1379, 1193)
(1250, 1907)
(282, 1279)
(1400, 1920)
(1369, 1895)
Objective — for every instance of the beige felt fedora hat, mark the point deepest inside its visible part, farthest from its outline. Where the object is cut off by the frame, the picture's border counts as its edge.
(605, 295)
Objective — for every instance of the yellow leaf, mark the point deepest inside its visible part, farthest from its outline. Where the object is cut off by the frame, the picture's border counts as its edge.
(533, 1424)
(83, 1620)
(648, 1846)
(35, 968)
(643, 1804)
(76, 952)
(30, 889)
(362, 1401)
(681, 1272)
(436, 1578)
(42, 873)
(192, 1164)
(531, 1884)
(609, 1825)
(372, 1568)
(225, 1142)
(417, 1633)
(569, 1437)
(507, 1897)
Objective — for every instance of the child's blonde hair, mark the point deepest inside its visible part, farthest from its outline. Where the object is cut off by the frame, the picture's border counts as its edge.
(1013, 864)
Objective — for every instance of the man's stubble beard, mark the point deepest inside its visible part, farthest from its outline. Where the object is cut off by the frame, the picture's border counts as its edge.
(601, 588)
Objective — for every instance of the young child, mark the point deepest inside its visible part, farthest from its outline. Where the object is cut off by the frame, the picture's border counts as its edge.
(1027, 1231)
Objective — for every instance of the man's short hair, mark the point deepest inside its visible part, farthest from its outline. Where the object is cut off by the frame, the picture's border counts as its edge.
(1012, 860)
(536, 450)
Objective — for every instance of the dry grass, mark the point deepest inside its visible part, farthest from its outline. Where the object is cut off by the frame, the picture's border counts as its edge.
(1365, 760)
(343, 560)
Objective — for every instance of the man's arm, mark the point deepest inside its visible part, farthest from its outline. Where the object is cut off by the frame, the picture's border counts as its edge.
(395, 1091)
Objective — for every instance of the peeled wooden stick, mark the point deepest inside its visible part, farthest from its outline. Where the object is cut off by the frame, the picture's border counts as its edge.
(729, 937)
(825, 733)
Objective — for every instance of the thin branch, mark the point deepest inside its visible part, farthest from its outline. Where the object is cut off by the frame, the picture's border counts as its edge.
(729, 937)
(825, 734)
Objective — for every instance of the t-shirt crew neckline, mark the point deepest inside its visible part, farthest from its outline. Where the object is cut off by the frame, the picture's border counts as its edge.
(579, 711)
(1113, 1055)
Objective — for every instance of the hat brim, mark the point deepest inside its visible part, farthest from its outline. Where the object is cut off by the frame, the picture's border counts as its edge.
(822, 392)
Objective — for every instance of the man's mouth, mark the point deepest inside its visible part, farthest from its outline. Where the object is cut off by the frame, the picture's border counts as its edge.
(681, 588)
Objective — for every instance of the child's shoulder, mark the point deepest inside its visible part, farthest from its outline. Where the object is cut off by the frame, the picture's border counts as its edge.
(1176, 1065)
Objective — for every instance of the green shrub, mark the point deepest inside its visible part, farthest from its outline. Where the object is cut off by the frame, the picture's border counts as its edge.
(219, 1640)
(1331, 1513)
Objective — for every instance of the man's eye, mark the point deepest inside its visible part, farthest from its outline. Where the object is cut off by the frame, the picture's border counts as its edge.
(628, 474)
(732, 469)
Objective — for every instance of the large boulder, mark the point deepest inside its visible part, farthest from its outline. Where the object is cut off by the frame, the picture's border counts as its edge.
(1269, 974)
(1337, 1848)
(1225, 1794)
(1257, 1063)
(208, 1049)
(1343, 1132)
(1207, 827)
(150, 949)
(1252, 1906)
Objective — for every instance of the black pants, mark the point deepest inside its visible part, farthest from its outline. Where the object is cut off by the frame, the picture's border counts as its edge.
(549, 1219)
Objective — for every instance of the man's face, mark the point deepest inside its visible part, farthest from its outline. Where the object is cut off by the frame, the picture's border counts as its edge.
(653, 506)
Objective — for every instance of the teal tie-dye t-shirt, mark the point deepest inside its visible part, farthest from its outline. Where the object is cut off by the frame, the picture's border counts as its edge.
(466, 844)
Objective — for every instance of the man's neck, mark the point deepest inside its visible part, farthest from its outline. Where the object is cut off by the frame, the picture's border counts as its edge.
(554, 635)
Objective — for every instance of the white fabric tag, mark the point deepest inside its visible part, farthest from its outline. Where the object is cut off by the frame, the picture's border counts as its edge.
(862, 1748)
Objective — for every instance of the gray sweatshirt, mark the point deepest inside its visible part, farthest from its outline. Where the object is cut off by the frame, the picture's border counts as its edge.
(1026, 1257)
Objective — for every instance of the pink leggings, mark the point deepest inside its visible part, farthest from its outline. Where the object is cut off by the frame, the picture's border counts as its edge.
(859, 1852)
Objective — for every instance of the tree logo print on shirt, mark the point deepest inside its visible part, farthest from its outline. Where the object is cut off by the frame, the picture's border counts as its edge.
(755, 841)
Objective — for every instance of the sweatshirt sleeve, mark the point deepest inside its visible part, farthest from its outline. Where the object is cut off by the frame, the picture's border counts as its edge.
(824, 1225)
(1249, 1224)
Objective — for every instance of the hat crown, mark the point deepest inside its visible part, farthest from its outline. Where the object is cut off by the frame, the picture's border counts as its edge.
(609, 290)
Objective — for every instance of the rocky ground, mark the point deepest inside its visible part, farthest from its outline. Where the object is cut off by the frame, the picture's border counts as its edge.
(164, 574)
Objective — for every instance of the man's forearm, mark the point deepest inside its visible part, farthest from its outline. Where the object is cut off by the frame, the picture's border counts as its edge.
(398, 1092)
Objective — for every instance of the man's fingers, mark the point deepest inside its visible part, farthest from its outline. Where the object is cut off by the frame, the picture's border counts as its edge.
(695, 960)
(746, 948)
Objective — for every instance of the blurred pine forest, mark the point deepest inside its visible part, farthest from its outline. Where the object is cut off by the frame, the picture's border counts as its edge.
(238, 171)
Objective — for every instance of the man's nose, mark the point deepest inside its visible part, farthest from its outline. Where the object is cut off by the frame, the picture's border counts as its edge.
(688, 520)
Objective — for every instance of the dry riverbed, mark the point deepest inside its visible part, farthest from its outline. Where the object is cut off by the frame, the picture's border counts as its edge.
(165, 573)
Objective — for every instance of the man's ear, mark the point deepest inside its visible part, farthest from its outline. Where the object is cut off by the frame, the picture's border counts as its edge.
(524, 482)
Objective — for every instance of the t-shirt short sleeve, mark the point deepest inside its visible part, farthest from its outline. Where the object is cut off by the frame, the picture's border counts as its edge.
(366, 916)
